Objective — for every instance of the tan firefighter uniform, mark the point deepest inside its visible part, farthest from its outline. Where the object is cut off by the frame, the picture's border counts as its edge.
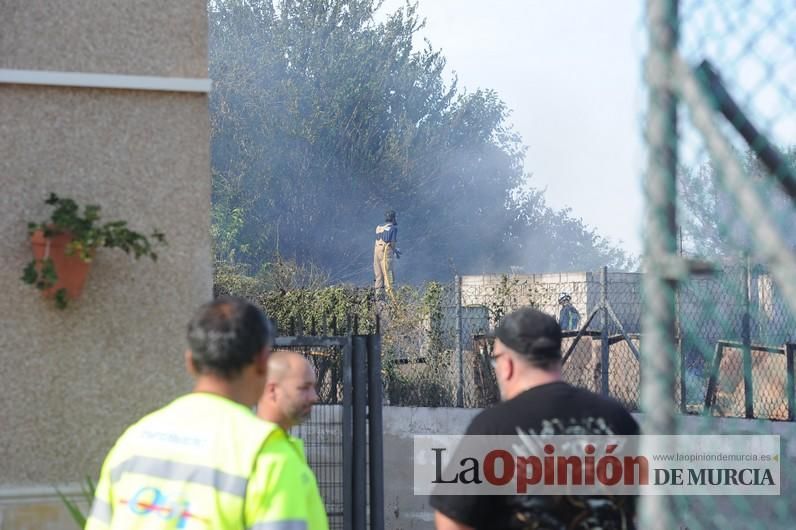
(386, 239)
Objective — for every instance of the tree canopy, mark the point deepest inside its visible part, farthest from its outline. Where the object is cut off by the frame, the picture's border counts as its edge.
(323, 116)
(710, 220)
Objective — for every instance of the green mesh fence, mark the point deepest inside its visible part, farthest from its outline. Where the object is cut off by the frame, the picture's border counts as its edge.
(437, 353)
(720, 275)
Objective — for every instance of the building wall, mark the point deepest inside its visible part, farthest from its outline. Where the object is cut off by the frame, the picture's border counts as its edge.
(711, 308)
(540, 289)
(543, 290)
(146, 37)
(71, 380)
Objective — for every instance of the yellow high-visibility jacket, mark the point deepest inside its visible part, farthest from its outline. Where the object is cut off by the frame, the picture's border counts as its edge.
(205, 462)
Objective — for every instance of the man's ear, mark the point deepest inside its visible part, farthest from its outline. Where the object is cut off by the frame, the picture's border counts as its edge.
(510, 367)
(265, 397)
(189, 365)
(261, 361)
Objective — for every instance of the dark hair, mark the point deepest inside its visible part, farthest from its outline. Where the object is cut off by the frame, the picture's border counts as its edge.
(225, 336)
(546, 364)
(389, 216)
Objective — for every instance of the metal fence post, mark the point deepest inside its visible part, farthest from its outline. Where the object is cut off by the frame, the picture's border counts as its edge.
(458, 343)
(605, 347)
(375, 434)
(359, 462)
(348, 434)
(657, 390)
(682, 345)
(790, 385)
(746, 340)
(713, 378)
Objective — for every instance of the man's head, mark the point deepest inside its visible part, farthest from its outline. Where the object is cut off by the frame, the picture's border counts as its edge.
(289, 391)
(229, 341)
(564, 298)
(389, 216)
(527, 351)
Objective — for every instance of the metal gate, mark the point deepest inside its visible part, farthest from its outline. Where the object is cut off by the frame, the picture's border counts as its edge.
(343, 437)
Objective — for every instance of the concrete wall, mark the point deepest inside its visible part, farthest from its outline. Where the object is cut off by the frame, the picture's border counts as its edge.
(711, 308)
(543, 290)
(403, 510)
(72, 380)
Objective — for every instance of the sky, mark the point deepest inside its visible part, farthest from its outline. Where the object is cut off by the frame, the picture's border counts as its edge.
(570, 71)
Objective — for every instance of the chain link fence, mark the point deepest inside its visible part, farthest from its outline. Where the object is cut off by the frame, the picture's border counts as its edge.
(737, 313)
(733, 331)
(720, 274)
(449, 364)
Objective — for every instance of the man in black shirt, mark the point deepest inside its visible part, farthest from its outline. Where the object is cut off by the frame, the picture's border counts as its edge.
(535, 401)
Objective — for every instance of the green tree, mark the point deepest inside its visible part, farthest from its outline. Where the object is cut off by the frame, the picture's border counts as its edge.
(711, 224)
(322, 118)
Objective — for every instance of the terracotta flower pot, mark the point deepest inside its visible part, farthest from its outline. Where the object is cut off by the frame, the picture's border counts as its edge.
(71, 270)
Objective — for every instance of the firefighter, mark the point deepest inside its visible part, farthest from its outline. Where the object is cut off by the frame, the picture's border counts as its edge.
(569, 318)
(205, 460)
(386, 241)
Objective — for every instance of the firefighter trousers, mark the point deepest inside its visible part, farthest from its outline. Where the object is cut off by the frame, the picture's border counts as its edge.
(382, 266)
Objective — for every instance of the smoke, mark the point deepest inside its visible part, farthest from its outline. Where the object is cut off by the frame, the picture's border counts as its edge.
(322, 120)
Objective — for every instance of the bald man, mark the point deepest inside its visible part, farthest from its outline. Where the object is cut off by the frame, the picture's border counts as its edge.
(287, 401)
(289, 390)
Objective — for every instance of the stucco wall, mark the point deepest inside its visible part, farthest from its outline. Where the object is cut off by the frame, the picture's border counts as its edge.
(145, 37)
(71, 380)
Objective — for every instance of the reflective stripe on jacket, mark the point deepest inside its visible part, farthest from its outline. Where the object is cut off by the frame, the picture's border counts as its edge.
(204, 462)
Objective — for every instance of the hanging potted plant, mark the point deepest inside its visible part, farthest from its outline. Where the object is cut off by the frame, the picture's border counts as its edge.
(64, 247)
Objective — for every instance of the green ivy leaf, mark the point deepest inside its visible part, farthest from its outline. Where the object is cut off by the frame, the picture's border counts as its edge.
(87, 235)
(61, 299)
(48, 273)
(29, 275)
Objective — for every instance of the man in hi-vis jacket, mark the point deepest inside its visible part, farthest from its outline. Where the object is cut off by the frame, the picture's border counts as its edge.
(386, 245)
